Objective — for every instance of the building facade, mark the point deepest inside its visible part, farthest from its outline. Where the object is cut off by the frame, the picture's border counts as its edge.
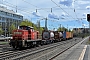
(7, 18)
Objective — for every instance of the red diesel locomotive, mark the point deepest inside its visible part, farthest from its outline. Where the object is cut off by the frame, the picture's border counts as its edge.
(25, 36)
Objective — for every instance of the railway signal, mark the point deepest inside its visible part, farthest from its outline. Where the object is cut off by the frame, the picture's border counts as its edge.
(88, 17)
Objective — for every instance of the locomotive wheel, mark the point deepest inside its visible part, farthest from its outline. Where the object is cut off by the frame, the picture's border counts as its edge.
(15, 47)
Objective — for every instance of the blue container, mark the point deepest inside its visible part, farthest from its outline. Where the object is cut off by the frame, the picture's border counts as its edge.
(64, 35)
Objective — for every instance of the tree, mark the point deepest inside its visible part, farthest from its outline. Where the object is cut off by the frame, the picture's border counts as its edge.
(69, 30)
(29, 23)
(26, 23)
(11, 28)
(1, 31)
(62, 29)
(41, 29)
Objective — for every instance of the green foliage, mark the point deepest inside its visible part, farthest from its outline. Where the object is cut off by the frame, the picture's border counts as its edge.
(41, 29)
(62, 29)
(11, 28)
(69, 30)
(29, 23)
(26, 23)
(1, 31)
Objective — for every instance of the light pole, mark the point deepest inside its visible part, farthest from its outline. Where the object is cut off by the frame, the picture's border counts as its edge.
(45, 23)
(38, 25)
(5, 27)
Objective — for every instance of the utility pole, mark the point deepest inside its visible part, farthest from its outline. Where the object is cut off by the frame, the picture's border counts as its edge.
(67, 26)
(5, 27)
(89, 24)
(38, 22)
(60, 27)
(31, 22)
(45, 23)
(39, 25)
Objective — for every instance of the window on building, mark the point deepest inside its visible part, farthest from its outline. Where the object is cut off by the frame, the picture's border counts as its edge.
(2, 12)
(21, 17)
(9, 14)
(13, 15)
(3, 18)
(0, 17)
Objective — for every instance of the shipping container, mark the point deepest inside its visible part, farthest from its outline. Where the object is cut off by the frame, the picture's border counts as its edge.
(64, 35)
(67, 35)
(71, 35)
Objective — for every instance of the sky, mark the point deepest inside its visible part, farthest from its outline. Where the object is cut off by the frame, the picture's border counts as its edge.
(69, 13)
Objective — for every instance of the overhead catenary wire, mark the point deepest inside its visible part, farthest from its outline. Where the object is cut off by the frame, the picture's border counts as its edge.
(75, 12)
(39, 8)
(61, 8)
(65, 11)
(13, 6)
(21, 9)
(33, 5)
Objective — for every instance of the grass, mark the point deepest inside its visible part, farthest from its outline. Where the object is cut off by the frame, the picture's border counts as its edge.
(3, 42)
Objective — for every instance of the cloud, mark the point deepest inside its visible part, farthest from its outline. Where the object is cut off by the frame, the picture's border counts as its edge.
(88, 7)
(85, 25)
(36, 14)
(84, 14)
(64, 14)
(51, 15)
(2, 5)
(66, 2)
(83, 2)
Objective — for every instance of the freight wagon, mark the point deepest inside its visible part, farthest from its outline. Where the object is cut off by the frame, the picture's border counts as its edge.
(47, 37)
(58, 35)
(67, 35)
(52, 36)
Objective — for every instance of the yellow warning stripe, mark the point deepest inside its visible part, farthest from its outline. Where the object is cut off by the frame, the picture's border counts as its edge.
(83, 53)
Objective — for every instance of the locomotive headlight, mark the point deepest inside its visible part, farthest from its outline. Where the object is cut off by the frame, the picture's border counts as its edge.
(23, 40)
(8, 40)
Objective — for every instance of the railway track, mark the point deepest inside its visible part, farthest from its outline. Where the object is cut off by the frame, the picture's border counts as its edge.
(24, 54)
